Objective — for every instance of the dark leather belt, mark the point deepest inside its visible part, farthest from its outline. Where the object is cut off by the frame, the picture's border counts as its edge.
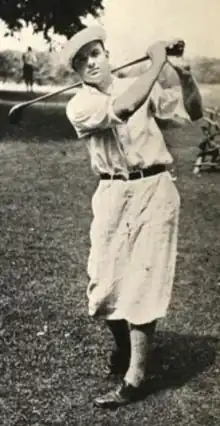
(137, 174)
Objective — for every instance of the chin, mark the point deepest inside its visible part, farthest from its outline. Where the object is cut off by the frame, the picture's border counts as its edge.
(94, 80)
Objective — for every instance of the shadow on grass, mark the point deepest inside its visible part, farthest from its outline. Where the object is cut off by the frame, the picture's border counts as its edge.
(23, 96)
(40, 122)
(177, 359)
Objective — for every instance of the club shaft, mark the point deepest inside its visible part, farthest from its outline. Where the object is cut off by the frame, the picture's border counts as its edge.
(23, 105)
(73, 86)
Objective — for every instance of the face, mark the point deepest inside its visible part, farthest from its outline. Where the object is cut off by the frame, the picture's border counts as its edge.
(92, 64)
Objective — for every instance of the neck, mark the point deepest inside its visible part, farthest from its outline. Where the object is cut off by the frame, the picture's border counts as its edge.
(104, 85)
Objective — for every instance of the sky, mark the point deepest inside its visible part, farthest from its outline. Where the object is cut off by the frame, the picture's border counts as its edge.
(132, 25)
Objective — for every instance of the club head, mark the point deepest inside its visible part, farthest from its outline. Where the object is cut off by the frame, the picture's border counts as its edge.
(15, 114)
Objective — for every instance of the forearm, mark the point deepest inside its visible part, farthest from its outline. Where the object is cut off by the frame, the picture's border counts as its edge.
(191, 97)
(133, 98)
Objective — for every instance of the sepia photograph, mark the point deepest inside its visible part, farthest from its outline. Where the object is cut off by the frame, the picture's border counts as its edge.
(109, 213)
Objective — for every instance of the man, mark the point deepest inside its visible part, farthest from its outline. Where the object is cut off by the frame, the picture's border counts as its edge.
(136, 205)
(29, 62)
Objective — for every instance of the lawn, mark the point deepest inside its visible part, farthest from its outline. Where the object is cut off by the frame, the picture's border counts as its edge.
(52, 354)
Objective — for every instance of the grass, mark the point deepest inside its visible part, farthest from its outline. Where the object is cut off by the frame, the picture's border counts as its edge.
(52, 354)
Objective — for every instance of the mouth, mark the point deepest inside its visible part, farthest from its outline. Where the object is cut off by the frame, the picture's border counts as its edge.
(94, 72)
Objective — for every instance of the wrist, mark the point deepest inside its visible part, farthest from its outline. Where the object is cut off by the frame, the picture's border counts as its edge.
(158, 62)
(186, 80)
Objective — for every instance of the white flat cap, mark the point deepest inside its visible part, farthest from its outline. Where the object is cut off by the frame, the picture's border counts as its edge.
(80, 39)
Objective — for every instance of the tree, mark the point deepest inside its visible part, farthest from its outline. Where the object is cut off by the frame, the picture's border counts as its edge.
(61, 16)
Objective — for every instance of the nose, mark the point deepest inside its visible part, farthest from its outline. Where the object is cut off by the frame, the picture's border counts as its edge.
(90, 62)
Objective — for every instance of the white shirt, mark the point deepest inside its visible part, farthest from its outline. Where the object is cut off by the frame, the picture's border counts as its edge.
(29, 58)
(116, 146)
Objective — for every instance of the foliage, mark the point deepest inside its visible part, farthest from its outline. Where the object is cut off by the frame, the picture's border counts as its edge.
(46, 72)
(62, 16)
(10, 64)
(208, 70)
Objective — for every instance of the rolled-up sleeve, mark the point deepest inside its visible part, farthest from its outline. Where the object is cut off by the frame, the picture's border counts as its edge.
(91, 112)
(168, 105)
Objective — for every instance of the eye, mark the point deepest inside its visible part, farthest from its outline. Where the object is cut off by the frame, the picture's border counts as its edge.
(95, 53)
(82, 60)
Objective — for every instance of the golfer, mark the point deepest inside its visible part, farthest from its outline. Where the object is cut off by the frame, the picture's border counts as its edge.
(136, 204)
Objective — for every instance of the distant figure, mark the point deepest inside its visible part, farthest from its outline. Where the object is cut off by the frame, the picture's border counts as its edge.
(208, 148)
(29, 62)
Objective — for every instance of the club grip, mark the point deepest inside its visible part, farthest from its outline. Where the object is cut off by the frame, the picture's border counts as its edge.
(176, 48)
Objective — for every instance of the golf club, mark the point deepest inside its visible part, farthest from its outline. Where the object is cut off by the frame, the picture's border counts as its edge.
(175, 48)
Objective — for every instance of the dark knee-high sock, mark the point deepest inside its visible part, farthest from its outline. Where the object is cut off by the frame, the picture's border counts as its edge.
(120, 332)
